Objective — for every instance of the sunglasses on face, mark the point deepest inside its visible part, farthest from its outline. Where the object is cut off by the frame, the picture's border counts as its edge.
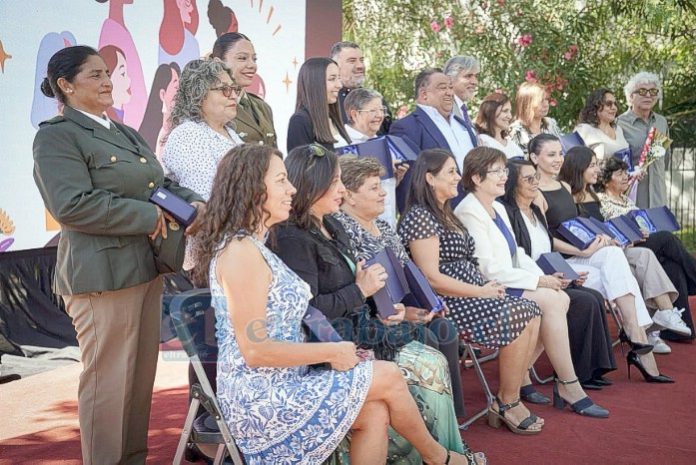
(227, 90)
(532, 178)
(643, 92)
(610, 104)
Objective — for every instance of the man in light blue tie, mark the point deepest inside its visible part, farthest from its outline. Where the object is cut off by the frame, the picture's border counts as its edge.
(463, 70)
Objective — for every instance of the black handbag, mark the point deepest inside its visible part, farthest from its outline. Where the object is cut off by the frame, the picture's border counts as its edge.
(169, 253)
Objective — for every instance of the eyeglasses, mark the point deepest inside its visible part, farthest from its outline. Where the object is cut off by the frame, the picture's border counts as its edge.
(227, 90)
(531, 179)
(610, 103)
(501, 172)
(375, 111)
(643, 92)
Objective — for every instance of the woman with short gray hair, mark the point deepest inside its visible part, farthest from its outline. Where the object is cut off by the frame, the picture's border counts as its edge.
(201, 134)
(365, 112)
(643, 90)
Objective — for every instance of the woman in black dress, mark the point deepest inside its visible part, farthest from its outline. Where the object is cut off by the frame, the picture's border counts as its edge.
(440, 246)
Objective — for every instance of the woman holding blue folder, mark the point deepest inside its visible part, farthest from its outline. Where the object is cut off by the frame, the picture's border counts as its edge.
(314, 245)
(362, 206)
(678, 263)
(608, 267)
(279, 407)
(588, 332)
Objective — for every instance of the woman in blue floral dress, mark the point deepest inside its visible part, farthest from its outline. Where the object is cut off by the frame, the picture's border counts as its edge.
(278, 408)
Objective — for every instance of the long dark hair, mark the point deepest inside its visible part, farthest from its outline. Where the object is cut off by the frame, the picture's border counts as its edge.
(234, 205)
(65, 63)
(575, 163)
(420, 194)
(311, 169)
(311, 95)
(593, 104)
(154, 119)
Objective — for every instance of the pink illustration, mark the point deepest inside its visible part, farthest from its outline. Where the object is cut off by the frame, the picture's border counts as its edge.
(159, 106)
(114, 32)
(42, 107)
(120, 79)
(177, 32)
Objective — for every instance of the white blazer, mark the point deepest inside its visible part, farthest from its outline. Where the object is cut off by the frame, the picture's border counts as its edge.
(492, 251)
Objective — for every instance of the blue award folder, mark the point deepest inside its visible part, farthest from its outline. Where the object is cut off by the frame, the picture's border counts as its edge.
(626, 156)
(421, 290)
(182, 211)
(645, 223)
(627, 226)
(553, 262)
(577, 232)
(656, 219)
(568, 141)
(395, 287)
(386, 149)
(319, 326)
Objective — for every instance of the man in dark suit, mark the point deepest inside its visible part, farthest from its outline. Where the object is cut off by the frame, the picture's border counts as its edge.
(433, 125)
(351, 65)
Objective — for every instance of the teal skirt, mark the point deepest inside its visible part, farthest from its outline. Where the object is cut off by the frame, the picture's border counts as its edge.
(427, 376)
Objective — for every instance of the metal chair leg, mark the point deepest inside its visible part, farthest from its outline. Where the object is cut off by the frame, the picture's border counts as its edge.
(186, 431)
(475, 363)
(220, 454)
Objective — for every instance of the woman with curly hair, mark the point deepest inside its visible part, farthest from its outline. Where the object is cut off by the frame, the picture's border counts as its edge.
(597, 125)
(201, 134)
(279, 408)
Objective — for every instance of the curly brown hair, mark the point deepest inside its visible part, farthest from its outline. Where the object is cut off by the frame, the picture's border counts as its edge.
(594, 104)
(235, 203)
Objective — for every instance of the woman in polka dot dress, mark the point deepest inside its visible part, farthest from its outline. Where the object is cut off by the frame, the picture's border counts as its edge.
(485, 314)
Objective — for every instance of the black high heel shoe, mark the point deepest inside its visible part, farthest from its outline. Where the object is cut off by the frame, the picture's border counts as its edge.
(633, 359)
(584, 406)
(637, 347)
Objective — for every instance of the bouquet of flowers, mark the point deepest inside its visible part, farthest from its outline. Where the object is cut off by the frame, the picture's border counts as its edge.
(654, 148)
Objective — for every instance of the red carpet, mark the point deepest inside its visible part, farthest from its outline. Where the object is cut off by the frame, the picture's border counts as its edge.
(649, 423)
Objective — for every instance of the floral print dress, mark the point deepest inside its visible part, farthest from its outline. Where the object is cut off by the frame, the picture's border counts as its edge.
(295, 415)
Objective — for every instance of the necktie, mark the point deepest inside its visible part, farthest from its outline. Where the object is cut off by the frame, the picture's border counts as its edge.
(465, 114)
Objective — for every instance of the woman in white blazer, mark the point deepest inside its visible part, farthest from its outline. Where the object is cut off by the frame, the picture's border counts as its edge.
(499, 257)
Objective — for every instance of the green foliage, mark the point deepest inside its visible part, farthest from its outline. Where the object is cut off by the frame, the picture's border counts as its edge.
(575, 47)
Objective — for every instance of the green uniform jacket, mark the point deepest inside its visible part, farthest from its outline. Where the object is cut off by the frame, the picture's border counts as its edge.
(96, 183)
(252, 108)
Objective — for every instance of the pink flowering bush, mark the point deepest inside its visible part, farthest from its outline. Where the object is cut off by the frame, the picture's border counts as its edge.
(571, 48)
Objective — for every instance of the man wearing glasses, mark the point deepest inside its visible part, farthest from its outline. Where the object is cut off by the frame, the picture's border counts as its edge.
(642, 93)
(351, 65)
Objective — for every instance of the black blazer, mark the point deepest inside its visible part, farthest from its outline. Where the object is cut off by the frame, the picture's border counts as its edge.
(321, 263)
(519, 228)
(301, 131)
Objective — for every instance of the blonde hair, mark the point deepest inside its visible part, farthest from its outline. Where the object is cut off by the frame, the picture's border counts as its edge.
(529, 97)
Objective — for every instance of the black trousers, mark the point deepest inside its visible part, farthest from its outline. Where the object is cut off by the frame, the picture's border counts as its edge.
(680, 266)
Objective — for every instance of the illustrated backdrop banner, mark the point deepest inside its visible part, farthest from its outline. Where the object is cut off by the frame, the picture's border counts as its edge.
(146, 43)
